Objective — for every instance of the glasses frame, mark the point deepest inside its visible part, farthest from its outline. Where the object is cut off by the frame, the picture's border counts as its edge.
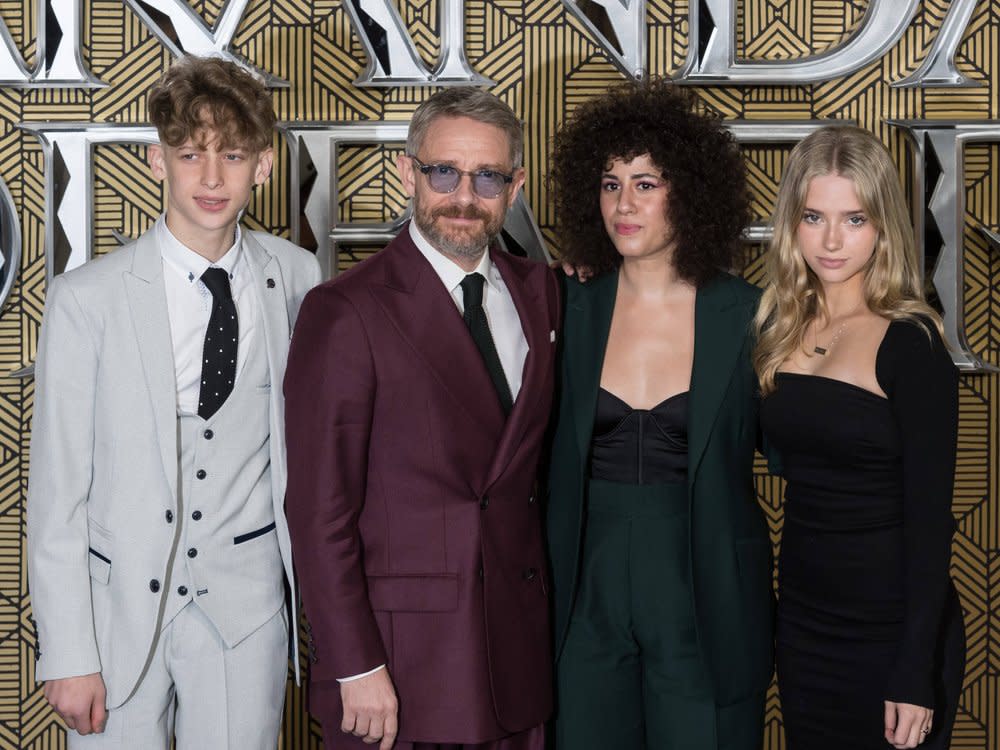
(425, 170)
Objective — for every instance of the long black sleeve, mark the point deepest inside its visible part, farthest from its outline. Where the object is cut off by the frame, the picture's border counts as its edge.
(917, 374)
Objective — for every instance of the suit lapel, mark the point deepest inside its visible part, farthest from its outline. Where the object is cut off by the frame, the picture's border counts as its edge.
(423, 312)
(147, 302)
(719, 331)
(588, 322)
(269, 287)
(534, 324)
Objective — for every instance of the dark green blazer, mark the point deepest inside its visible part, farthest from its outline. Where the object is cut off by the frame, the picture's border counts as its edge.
(730, 549)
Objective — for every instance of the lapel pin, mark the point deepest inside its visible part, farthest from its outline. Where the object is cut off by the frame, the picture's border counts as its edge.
(270, 283)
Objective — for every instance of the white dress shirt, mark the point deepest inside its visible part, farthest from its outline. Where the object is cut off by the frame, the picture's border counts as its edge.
(504, 322)
(189, 306)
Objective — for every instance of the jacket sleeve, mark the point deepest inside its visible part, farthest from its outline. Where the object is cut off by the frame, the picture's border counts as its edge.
(329, 401)
(62, 450)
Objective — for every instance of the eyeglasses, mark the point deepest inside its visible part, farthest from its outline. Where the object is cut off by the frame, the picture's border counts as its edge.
(444, 178)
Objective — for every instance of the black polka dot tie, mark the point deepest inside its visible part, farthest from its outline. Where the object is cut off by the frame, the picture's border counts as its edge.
(218, 362)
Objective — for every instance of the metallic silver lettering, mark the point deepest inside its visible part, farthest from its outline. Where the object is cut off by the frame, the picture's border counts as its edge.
(69, 174)
(938, 68)
(993, 237)
(879, 30)
(946, 141)
(619, 27)
(59, 59)
(10, 243)
(187, 32)
(392, 58)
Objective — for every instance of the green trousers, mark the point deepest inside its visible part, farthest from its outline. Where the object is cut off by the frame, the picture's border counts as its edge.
(630, 674)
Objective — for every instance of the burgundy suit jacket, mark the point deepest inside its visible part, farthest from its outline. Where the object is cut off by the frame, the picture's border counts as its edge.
(415, 530)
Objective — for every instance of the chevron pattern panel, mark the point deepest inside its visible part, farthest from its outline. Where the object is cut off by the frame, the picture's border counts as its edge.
(543, 62)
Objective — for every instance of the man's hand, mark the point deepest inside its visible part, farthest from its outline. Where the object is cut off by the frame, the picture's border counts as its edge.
(79, 701)
(906, 725)
(583, 273)
(370, 709)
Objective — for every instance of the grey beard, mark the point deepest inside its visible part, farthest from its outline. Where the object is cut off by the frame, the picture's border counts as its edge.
(464, 246)
(471, 248)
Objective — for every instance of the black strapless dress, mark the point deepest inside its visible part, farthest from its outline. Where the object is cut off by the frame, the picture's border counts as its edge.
(867, 611)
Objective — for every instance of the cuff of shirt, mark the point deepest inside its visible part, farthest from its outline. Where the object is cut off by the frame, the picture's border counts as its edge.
(359, 676)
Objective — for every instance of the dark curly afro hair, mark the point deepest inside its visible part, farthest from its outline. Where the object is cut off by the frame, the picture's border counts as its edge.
(708, 204)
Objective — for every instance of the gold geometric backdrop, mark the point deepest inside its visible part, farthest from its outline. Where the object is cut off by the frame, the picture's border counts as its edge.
(543, 60)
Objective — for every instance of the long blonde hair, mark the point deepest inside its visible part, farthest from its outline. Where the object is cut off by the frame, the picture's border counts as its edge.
(793, 296)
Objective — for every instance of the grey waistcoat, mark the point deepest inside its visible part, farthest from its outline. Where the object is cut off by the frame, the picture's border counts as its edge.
(227, 561)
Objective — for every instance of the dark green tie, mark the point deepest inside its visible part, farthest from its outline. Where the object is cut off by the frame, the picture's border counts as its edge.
(479, 327)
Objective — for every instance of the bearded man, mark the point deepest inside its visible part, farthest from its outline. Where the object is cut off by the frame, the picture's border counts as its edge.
(417, 394)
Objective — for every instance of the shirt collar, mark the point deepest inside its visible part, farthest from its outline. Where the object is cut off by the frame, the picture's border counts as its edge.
(450, 273)
(189, 264)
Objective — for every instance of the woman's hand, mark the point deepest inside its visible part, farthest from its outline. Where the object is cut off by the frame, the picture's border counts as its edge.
(907, 725)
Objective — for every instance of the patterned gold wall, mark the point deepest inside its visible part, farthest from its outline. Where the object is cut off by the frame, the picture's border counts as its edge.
(543, 62)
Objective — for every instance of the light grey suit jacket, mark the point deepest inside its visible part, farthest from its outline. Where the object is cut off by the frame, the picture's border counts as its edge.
(104, 454)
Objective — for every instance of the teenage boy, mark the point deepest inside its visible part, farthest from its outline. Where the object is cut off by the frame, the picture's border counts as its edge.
(157, 546)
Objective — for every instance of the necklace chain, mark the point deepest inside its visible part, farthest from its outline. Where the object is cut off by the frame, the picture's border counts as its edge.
(821, 350)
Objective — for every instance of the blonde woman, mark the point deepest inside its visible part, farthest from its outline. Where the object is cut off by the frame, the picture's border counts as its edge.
(860, 400)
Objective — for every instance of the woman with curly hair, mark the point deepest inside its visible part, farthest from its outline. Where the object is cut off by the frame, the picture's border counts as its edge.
(861, 402)
(660, 552)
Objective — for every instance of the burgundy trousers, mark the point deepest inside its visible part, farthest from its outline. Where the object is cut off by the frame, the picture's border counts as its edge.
(531, 739)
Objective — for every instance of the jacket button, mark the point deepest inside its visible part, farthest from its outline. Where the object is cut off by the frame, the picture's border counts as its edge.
(192, 552)
(531, 500)
(201, 474)
(208, 434)
(529, 574)
(196, 515)
(170, 516)
(485, 502)
(182, 590)
(154, 585)
(482, 573)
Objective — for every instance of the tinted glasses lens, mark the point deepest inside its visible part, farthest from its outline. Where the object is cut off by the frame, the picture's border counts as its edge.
(443, 179)
(488, 184)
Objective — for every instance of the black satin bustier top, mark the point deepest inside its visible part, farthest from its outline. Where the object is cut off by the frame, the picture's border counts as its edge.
(639, 446)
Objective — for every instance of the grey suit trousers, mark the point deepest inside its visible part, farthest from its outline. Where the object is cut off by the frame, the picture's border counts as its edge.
(207, 695)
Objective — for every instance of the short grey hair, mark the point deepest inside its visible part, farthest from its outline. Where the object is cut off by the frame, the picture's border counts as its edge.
(474, 103)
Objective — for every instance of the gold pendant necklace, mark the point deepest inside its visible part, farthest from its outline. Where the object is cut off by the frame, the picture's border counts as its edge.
(820, 350)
